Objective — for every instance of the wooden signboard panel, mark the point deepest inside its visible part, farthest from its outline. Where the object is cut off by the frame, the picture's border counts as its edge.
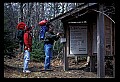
(78, 40)
(108, 37)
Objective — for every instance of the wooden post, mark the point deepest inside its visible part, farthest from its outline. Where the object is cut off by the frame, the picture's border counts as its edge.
(90, 46)
(94, 46)
(92, 65)
(65, 60)
(100, 44)
(114, 51)
(65, 66)
(76, 59)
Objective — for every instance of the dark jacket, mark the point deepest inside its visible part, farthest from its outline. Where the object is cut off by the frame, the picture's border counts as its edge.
(50, 37)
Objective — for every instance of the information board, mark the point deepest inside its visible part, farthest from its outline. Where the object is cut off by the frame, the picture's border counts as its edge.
(78, 39)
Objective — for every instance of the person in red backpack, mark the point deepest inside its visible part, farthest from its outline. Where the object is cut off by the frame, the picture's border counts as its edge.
(20, 34)
(27, 48)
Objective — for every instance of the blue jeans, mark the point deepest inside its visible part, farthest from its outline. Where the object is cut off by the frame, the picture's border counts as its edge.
(48, 55)
(26, 59)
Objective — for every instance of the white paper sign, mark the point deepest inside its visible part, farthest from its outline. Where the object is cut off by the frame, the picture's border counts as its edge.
(78, 39)
(62, 40)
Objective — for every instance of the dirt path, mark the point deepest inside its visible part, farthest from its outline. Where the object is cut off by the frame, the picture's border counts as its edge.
(13, 69)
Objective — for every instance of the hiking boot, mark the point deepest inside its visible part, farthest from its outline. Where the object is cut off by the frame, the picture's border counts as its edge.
(26, 71)
(48, 69)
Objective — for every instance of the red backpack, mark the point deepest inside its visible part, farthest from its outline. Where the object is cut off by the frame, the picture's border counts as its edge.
(21, 26)
(43, 22)
(20, 33)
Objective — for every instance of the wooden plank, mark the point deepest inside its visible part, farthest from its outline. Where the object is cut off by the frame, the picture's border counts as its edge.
(108, 36)
(114, 51)
(100, 44)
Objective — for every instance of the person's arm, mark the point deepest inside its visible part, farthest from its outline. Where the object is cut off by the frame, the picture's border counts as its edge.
(57, 37)
(51, 36)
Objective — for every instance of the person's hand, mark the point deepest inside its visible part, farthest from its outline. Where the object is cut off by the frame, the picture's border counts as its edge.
(25, 47)
(59, 34)
(28, 49)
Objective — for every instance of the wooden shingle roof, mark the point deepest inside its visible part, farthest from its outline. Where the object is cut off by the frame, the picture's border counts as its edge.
(74, 11)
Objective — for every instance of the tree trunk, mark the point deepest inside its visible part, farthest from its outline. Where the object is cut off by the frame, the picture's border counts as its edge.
(21, 11)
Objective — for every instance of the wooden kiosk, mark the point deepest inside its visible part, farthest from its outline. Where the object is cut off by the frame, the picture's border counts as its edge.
(88, 31)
